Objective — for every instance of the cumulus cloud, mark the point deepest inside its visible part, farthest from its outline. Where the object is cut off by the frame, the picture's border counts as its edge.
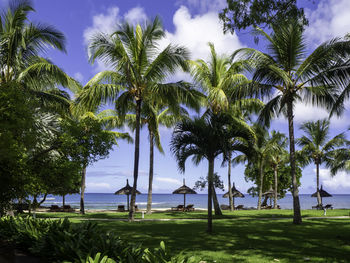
(136, 15)
(339, 183)
(194, 32)
(329, 20)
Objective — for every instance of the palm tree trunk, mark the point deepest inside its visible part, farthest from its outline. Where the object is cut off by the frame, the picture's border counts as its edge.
(136, 160)
(296, 203)
(150, 178)
(261, 173)
(63, 200)
(276, 185)
(319, 201)
(82, 190)
(216, 203)
(229, 182)
(210, 193)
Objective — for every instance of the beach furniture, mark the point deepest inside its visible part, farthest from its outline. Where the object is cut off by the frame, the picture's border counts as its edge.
(121, 208)
(178, 208)
(225, 207)
(67, 208)
(318, 207)
(323, 193)
(184, 190)
(126, 191)
(235, 193)
(239, 207)
(55, 208)
(329, 206)
(189, 208)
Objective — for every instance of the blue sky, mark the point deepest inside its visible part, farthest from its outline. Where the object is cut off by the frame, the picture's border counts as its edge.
(192, 23)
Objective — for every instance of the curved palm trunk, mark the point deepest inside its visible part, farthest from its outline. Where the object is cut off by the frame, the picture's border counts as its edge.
(275, 170)
(261, 173)
(319, 200)
(217, 208)
(136, 160)
(210, 193)
(150, 178)
(296, 203)
(82, 190)
(229, 183)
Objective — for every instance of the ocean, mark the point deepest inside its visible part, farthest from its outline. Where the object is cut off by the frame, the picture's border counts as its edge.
(163, 201)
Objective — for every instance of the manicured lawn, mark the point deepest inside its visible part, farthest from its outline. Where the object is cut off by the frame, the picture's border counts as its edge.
(240, 214)
(317, 240)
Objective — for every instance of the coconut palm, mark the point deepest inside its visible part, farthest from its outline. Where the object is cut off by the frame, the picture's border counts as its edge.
(139, 71)
(277, 158)
(22, 43)
(318, 148)
(218, 78)
(206, 138)
(286, 76)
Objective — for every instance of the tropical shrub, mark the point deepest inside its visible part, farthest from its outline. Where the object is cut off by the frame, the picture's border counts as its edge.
(62, 241)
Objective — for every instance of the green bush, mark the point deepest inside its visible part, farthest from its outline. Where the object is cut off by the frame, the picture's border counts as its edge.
(62, 241)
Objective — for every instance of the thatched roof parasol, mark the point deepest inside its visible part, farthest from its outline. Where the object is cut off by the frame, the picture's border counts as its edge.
(126, 191)
(235, 193)
(270, 193)
(323, 193)
(184, 190)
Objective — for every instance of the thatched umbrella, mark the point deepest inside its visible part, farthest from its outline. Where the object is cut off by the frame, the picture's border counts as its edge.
(269, 194)
(235, 193)
(323, 193)
(184, 190)
(126, 191)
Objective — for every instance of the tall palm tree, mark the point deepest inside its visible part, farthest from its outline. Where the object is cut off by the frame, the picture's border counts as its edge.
(22, 43)
(139, 71)
(218, 78)
(277, 158)
(206, 138)
(288, 76)
(318, 148)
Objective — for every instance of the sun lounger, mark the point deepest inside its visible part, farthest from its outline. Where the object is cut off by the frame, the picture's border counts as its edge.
(189, 208)
(225, 207)
(318, 207)
(178, 208)
(329, 206)
(239, 207)
(121, 208)
(67, 208)
(55, 208)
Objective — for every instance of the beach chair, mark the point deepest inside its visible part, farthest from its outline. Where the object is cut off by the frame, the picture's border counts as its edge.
(239, 207)
(178, 208)
(121, 208)
(189, 208)
(318, 207)
(329, 206)
(54, 208)
(67, 208)
(225, 207)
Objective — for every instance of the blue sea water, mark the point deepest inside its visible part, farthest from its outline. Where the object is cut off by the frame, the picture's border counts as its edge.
(111, 201)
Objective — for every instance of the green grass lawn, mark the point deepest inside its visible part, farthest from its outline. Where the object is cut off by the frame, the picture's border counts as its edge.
(247, 239)
(240, 214)
(317, 240)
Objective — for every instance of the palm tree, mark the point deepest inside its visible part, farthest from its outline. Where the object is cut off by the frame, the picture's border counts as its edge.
(287, 76)
(318, 148)
(22, 42)
(139, 72)
(218, 79)
(208, 137)
(277, 158)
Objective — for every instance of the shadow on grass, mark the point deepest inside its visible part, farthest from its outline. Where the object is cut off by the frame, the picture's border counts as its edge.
(245, 241)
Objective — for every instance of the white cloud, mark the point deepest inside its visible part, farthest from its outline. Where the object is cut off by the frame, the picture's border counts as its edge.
(204, 6)
(330, 19)
(136, 15)
(78, 76)
(195, 32)
(168, 180)
(340, 182)
(100, 186)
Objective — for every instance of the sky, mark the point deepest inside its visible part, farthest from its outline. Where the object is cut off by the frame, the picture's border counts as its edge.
(192, 23)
